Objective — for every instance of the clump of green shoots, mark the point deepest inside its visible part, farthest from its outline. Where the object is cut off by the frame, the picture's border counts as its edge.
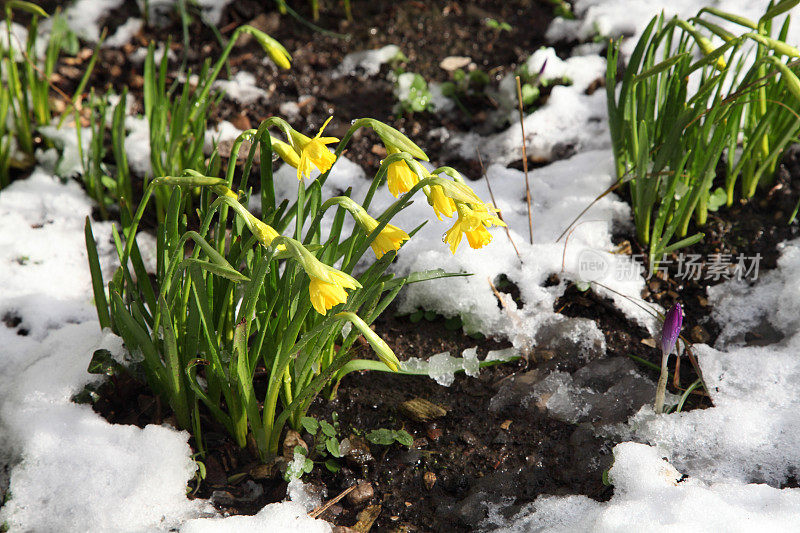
(26, 90)
(176, 114)
(684, 103)
(465, 85)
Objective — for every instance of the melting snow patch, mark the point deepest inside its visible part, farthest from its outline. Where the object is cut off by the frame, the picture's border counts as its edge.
(651, 495)
(84, 16)
(77, 471)
(628, 18)
(124, 33)
(242, 88)
(288, 517)
(367, 62)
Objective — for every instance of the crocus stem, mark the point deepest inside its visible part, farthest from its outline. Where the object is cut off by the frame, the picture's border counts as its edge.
(658, 405)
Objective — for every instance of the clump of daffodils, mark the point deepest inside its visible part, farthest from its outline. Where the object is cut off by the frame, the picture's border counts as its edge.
(446, 192)
(267, 289)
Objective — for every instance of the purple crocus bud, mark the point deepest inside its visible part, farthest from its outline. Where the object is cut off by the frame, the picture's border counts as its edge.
(672, 328)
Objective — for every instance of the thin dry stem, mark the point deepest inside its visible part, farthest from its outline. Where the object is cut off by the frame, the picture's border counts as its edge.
(494, 202)
(525, 160)
(322, 508)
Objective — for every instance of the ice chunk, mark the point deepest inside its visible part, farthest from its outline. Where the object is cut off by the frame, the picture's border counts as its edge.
(506, 354)
(470, 362)
(301, 493)
(442, 368)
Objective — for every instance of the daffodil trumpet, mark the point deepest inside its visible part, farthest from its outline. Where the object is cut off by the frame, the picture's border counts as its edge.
(472, 222)
(313, 150)
(385, 236)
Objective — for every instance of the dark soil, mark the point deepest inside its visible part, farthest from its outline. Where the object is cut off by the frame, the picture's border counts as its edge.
(471, 455)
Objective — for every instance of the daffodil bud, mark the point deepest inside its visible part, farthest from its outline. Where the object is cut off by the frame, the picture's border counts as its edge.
(279, 55)
(382, 349)
(224, 190)
(286, 153)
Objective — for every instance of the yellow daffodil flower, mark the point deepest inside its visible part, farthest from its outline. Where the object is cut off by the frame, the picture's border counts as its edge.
(313, 151)
(399, 177)
(390, 238)
(441, 203)
(325, 294)
(472, 222)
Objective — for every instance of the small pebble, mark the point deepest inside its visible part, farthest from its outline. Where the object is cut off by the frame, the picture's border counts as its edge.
(362, 493)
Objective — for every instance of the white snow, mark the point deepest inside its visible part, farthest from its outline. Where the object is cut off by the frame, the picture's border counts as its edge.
(288, 517)
(628, 18)
(242, 88)
(571, 121)
(15, 40)
(83, 16)
(125, 32)
(650, 495)
(367, 62)
(137, 145)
